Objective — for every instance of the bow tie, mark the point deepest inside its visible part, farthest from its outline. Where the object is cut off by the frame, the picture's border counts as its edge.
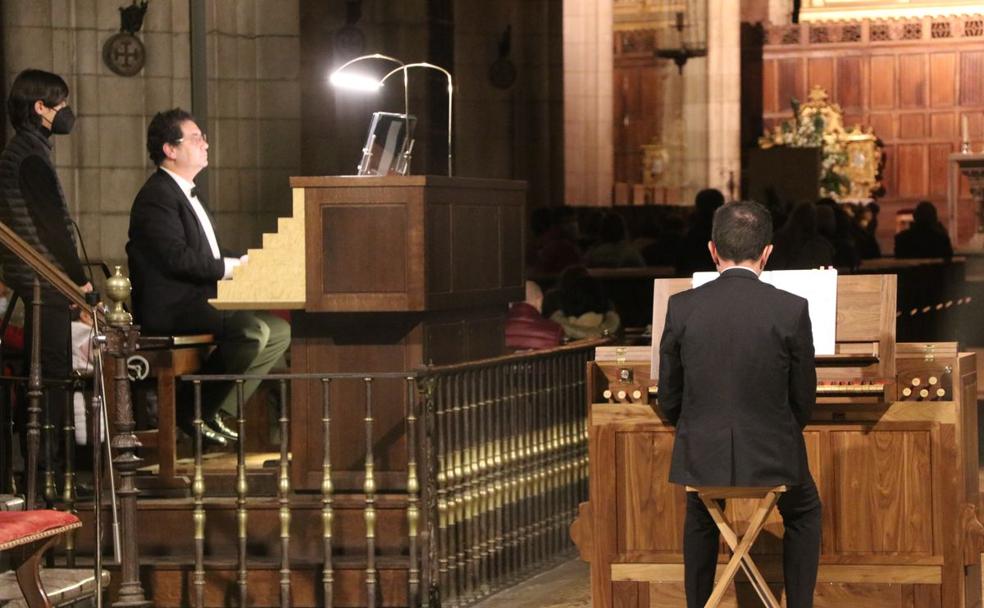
(194, 192)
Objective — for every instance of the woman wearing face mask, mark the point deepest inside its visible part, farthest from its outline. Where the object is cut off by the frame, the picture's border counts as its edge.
(33, 205)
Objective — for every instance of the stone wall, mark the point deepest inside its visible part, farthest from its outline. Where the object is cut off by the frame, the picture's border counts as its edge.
(253, 106)
(254, 114)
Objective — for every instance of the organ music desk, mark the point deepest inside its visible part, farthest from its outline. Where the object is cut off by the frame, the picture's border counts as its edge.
(892, 447)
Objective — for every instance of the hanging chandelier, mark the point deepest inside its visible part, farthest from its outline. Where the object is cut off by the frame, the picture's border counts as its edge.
(683, 31)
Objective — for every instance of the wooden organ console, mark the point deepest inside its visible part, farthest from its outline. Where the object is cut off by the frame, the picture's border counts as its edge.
(383, 274)
(892, 446)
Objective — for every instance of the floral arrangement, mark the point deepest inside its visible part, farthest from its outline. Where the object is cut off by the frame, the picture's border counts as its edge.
(817, 124)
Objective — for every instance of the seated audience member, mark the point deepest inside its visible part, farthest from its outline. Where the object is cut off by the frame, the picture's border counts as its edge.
(866, 235)
(551, 249)
(580, 306)
(925, 238)
(175, 263)
(798, 245)
(693, 255)
(614, 250)
(835, 226)
(663, 251)
(526, 329)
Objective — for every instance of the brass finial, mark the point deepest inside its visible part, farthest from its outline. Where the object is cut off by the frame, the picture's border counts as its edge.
(118, 290)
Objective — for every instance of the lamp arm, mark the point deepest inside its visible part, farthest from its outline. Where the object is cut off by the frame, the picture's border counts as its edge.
(365, 57)
(406, 68)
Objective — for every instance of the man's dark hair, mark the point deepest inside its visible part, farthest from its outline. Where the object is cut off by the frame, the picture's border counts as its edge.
(29, 87)
(741, 231)
(165, 128)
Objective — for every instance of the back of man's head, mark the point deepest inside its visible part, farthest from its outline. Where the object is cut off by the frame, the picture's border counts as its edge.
(741, 231)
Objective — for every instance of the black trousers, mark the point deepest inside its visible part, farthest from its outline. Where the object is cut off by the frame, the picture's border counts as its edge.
(56, 364)
(800, 510)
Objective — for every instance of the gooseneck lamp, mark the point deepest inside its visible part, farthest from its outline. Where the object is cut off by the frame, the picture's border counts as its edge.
(358, 81)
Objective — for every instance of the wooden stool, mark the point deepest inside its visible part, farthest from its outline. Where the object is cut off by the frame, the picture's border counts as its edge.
(26, 535)
(740, 546)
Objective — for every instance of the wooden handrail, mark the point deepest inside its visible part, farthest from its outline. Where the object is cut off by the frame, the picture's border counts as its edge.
(45, 269)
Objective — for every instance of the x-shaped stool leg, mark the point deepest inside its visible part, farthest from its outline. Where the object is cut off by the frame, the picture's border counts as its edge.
(741, 546)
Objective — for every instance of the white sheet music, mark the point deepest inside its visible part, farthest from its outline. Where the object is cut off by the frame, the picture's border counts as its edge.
(819, 287)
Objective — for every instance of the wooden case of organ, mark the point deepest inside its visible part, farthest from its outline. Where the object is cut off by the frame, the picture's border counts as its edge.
(385, 274)
(898, 477)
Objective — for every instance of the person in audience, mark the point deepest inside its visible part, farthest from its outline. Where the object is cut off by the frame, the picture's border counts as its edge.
(580, 306)
(693, 255)
(526, 329)
(798, 245)
(175, 262)
(737, 378)
(614, 250)
(551, 249)
(33, 205)
(925, 238)
(835, 226)
(669, 234)
(866, 236)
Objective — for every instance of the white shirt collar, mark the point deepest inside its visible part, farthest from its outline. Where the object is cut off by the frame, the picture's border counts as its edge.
(184, 184)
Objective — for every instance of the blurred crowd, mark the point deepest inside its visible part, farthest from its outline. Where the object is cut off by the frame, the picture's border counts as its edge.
(566, 241)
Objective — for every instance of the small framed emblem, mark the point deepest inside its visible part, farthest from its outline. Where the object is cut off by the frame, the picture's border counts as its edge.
(123, 52)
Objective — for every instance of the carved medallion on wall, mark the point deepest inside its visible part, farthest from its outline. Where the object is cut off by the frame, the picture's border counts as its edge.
(123, 52)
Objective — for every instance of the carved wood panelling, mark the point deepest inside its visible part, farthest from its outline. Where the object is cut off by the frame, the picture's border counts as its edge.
(911, 80)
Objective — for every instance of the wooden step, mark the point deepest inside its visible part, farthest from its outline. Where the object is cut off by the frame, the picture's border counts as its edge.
(166, 527)
(173, 586)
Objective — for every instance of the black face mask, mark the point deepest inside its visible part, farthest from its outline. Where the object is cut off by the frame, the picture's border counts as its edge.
(63, 121)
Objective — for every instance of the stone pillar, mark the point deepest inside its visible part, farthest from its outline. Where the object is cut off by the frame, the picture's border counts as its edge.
(723, 93)
(588, 64)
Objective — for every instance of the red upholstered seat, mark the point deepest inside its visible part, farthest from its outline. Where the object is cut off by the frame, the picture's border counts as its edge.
(22, 527)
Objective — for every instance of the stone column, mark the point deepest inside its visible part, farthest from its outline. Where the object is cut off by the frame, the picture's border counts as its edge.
(723, 93)
(588, 65)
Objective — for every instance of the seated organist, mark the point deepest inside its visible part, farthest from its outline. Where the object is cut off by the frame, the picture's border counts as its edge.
(737, 378)
(175, 261)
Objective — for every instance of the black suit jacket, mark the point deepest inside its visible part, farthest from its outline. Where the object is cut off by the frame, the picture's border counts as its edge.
(172, 268)
(737, 377)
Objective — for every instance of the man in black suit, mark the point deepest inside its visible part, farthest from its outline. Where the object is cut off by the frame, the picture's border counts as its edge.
(737, 378)
(175, 262)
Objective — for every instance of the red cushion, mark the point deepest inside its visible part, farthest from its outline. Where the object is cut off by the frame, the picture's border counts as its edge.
(15, 525)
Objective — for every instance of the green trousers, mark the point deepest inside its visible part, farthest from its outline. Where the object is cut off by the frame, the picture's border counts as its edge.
(250, 343)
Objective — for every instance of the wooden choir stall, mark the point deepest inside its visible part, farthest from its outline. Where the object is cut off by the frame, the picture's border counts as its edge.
(892, 446)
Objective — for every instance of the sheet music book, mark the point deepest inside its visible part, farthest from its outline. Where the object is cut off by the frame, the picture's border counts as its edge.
(819, 287)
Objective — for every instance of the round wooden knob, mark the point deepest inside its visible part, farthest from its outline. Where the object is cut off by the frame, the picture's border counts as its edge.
(916, 382)
(933, 380)
(907, 392)
(924, 393)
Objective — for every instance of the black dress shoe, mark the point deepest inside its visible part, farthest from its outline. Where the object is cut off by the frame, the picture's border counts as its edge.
(219, 426)
(210, 438)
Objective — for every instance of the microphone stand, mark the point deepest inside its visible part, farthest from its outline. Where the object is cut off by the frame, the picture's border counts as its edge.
(100, 438)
